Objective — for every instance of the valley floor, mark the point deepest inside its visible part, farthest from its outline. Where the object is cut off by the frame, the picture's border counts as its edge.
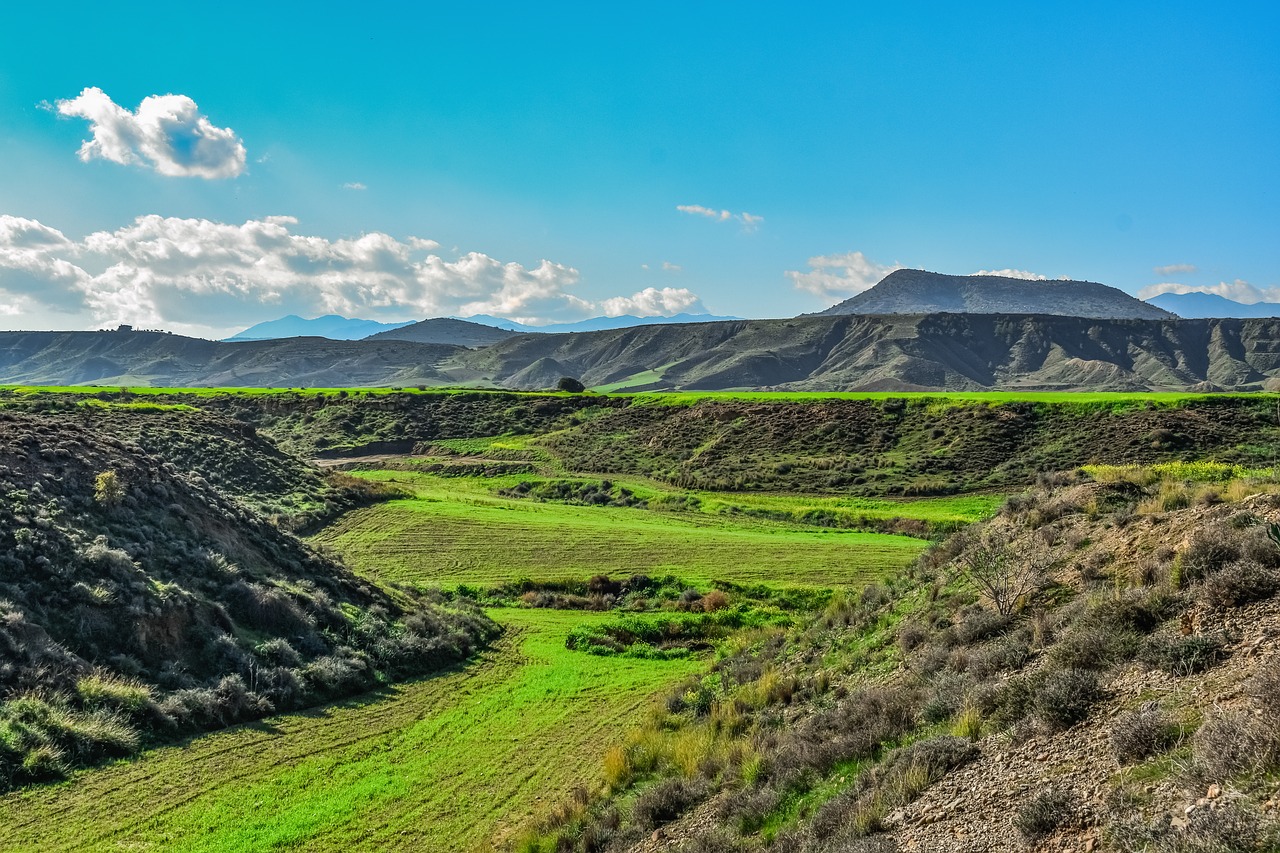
(444, 763)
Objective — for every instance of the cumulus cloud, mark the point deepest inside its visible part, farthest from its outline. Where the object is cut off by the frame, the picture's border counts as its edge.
(1023, 274)
(1238, 291)
(1174, 269)
(32, 266)
(354, 185)
(749, 221)
(843, 275)
(652, 302)
(166, 133)
(197, 274)
(667, 266)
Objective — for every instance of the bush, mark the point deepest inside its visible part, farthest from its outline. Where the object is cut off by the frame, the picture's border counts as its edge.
(1210, 549)
(1141, 734)
(1043, 814)
(1227, 829)
(666, 801)
(1065, 697)
(1240, 582)
(1183, 656)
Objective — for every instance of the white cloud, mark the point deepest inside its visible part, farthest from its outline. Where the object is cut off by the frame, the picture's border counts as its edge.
(1174, 269)
(354, 185)
(1023, 274)
(1238, 290)
(667, 266)
(750, 221)
(652, 302)
(210, 277)
(840, 275)
(167, 133)
(699, 210)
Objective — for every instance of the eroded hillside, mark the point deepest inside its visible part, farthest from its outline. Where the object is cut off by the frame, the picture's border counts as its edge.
(144, 593)
(1098, 667)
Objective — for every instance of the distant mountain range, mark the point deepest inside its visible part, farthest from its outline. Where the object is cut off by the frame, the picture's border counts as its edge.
(596, 324)
(332, 326)
(821, 353)
(1194, 306)
(923, 292)
(338, 328)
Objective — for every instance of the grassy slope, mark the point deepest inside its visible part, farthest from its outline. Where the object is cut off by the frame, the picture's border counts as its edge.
(447, 537)
(443, 763)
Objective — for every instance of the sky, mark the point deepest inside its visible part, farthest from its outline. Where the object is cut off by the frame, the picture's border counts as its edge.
(204, 168)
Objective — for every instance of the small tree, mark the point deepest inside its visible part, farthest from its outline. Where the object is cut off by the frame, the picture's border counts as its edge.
(107, 489)
(1006, 574)
(568, 383)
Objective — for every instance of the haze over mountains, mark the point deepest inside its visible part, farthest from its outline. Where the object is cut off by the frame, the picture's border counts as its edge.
(340, 328)
(1205, 305)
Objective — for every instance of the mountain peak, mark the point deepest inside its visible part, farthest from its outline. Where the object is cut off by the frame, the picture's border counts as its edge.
(923, 292)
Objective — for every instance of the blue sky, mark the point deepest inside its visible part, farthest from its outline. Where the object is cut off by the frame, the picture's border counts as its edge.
(540, 156)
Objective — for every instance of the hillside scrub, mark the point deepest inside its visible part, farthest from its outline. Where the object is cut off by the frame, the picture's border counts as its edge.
(141, 605)
(876, 445)
(825, 733)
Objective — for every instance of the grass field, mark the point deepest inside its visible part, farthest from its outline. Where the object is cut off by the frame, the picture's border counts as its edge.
(455, 531)
(442, 764)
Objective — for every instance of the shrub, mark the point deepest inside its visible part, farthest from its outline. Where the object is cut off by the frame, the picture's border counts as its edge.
(1236, 744)
(1240, 582)
(666, 801)
(1183, 656)
(1065, 697)
(1210, 549)
(1043, 814)
(1226, 829)
(1141, 734)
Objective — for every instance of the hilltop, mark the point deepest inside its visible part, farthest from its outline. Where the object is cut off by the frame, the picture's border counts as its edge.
(923, 292)
(445, 330)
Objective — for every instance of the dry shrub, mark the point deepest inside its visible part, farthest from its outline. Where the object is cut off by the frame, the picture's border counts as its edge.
(1065, 697)
(1240, 582)
(1141, 734)
(1043, 814)
(715, 600)
(666, 801)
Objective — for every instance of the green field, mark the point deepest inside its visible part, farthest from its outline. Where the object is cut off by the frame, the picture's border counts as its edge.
(455, 531)
(445, 763)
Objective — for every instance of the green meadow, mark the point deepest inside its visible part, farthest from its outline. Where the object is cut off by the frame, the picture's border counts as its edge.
(445, 763)
(457, 531)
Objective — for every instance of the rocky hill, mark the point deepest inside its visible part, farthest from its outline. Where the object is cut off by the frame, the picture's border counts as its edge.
(445, 330)
(922, 292)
